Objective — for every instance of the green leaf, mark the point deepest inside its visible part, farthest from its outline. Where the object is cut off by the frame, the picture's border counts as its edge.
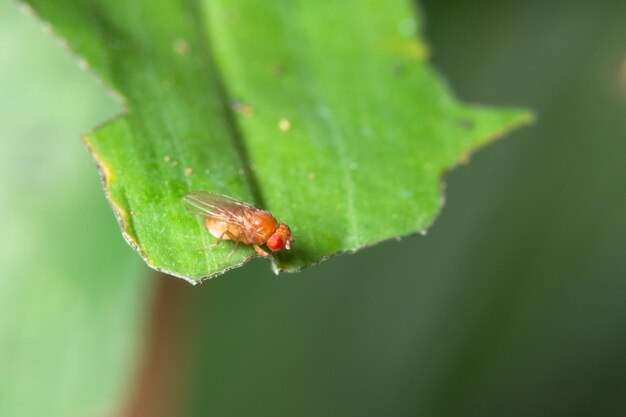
(368, 128)
(71, 303)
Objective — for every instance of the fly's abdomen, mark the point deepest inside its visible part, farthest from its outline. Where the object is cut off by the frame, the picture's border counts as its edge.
(225, 230)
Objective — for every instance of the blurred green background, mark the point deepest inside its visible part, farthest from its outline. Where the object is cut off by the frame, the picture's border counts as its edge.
(73, 296)
(512, 305)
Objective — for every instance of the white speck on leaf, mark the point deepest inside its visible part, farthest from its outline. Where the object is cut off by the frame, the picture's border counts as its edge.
(284, 125)
(181, 46)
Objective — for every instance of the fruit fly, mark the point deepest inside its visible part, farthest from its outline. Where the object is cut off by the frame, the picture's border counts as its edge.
(230, 219)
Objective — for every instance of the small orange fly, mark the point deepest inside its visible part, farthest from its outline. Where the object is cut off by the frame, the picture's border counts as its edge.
(230, 219)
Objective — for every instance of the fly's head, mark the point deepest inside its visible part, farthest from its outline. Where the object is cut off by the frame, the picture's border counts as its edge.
(281, 239)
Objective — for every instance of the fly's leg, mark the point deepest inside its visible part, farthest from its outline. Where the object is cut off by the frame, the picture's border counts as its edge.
(217, 242)
(260, 251)
(233, 251)
(234, 239)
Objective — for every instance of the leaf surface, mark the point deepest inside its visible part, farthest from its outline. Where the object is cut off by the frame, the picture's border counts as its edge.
(325, 113)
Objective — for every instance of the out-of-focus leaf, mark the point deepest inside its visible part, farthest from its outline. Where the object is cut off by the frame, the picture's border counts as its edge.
(71, 303)
(326, 113)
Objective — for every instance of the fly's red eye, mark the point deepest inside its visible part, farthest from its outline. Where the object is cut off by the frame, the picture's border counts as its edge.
(275, 242)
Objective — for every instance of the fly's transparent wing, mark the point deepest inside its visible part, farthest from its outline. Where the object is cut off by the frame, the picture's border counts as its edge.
(217, 206)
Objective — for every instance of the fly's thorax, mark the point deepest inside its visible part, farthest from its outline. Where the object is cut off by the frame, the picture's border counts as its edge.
(261, 226)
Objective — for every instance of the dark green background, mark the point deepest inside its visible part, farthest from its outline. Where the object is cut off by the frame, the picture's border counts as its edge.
(514, 304)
